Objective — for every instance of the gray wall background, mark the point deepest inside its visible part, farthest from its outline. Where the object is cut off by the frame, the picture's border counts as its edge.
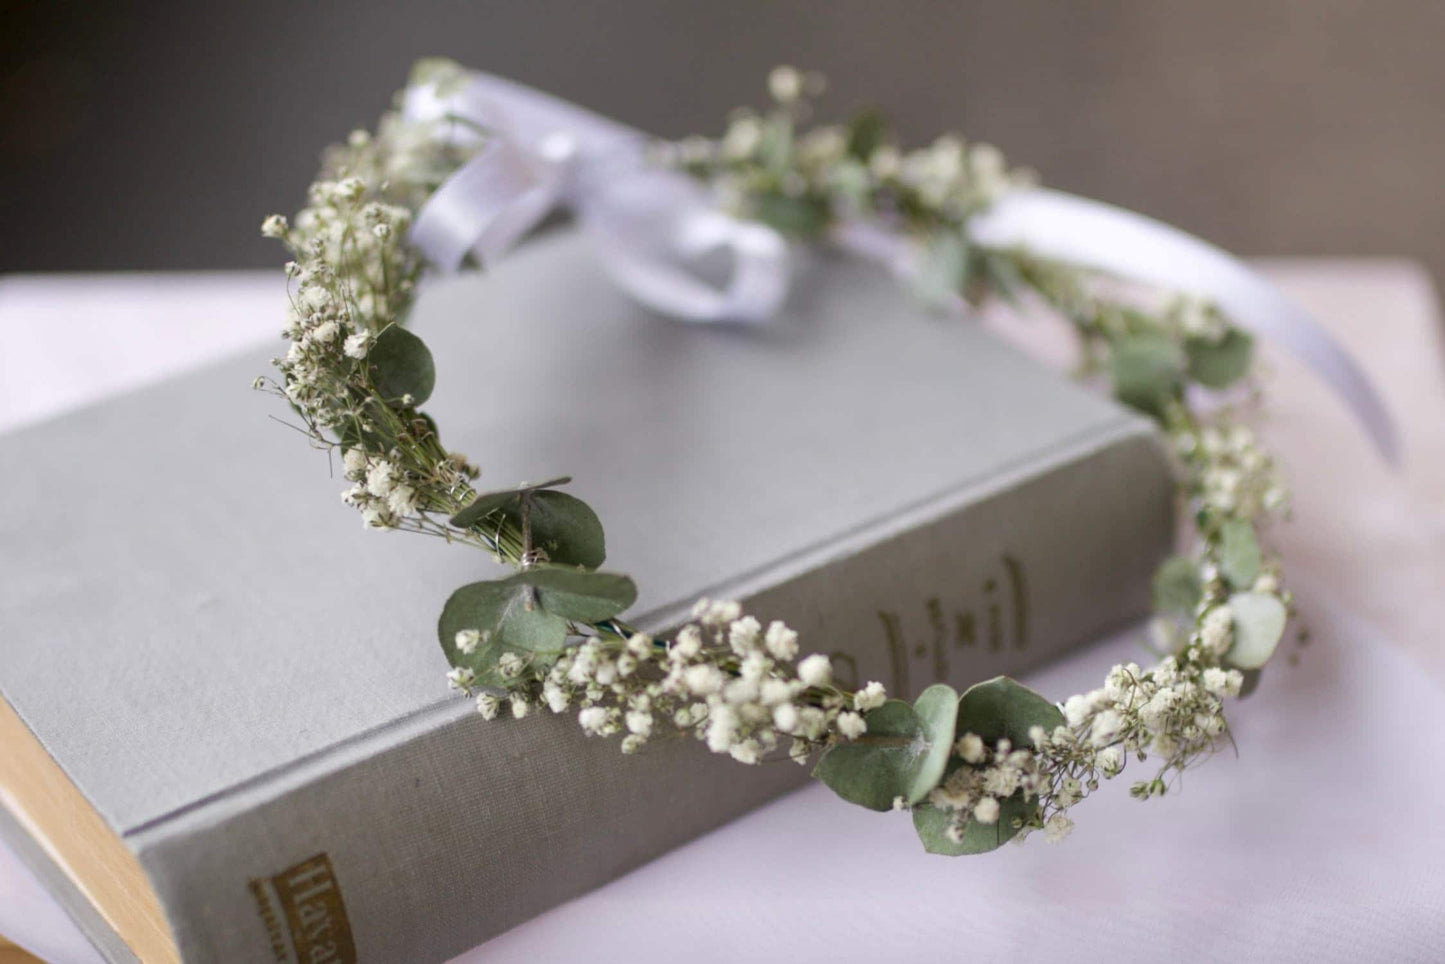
(156, 135)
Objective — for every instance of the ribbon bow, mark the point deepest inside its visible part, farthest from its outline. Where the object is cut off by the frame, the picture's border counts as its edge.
(541, 152)
(648, 221)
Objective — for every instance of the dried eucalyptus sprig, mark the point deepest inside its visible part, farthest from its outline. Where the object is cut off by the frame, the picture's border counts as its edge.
(974, 769)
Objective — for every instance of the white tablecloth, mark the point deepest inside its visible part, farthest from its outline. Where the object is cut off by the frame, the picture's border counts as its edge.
(1321, 841)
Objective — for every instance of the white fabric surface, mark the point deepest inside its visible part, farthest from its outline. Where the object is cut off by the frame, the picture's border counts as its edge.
(1321, 841)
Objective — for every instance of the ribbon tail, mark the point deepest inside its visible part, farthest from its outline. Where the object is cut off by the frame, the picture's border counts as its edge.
(1107, 238)
(648, 226)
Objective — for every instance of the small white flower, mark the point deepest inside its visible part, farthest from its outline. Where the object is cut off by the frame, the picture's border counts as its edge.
(870, 697)
(785, 717)
(815, 670)
(511, 665)
(1077, 709)
(556, 697)
(380, 478)
(785, 84)
(274, 226)
(640, 645)
(354, 463)
(781, 641)
(748, 751)
(520, 706)
(970, 748)
(743, 635)
(461, 678)
(688, 643)
(1057, 827)
(1106, 728)
(593, 719)
(632, 743)
(1110, 760)
(1216, 632)
(851, 725)
(986, 810)
(357, 345)
(717, 613)
(740, 691)
(402, 500)
(467, 641)
(639, 723)
(721, 728)
(325, 332)
(1221, 682)
(703, 680)
(774, 691)
(488, 705)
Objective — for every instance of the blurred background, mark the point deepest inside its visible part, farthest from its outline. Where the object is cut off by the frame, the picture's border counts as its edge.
(150, 135)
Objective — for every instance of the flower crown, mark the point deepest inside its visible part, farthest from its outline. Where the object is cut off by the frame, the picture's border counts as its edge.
(976, 769)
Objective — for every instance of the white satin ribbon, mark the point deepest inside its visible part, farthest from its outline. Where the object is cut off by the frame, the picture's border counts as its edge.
(1108, 238)
(540, 152)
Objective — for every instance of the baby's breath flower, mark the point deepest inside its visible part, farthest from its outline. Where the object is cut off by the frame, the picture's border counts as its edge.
(851, 725)
(467, 641)
(815, 670)
(870, 697)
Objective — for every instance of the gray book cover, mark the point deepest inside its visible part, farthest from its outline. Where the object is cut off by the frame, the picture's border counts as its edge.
(246, 685)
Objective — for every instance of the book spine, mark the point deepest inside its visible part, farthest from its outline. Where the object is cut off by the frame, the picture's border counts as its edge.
(454, 832)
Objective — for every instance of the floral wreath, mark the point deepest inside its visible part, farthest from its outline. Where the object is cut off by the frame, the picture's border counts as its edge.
(976, 769)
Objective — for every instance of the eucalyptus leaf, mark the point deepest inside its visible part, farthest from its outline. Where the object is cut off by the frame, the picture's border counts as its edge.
(562, 525)
(1219, 364)
(507, 614)
(529, 610)
(804, 216)
(1259, 621)
(866, 133)
(1002, 707)
(488, 502)
(775, 144)
(579, 595)
(944, 271)
(1239, 556)
(1148, 372)
(931, 824)
(1176, 586)
(903, 754)
(1003, 276)
(401, 364)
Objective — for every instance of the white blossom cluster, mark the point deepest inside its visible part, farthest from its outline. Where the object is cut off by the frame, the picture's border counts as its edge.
(950, 178)
(1235, 475)
(975, 791)
(352, 276)
(725, 678)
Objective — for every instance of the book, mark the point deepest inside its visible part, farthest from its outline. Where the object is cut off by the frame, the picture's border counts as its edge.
(227, 731)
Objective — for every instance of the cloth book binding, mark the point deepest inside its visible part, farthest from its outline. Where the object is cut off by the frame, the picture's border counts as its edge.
(233, 737)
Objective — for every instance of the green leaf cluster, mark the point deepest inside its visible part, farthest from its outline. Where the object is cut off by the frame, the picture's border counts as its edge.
(1148, 372)
(1000, 708)
(903, 754)
(530, 612)
(1239, 554)
(561, 525)
(1259, 621)
(401, 364)
(908, 750)
(1219, 364)
(1177, 589)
